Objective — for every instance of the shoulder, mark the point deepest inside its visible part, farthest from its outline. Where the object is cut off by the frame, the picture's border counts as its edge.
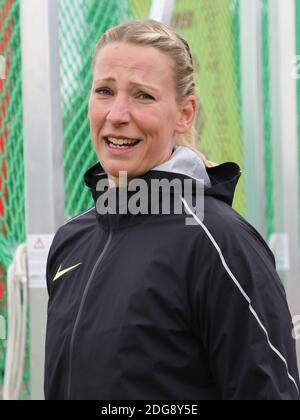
(228, 245)
(72, 229)
(226, 229)
(81, 218)
(77, 222)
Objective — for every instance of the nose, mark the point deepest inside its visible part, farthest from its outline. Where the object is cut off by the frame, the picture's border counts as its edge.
(119, 113)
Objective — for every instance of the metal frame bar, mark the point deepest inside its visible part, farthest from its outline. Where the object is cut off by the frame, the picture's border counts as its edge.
(252, 111)
(44, 185)
(162, 10)
(285, 142)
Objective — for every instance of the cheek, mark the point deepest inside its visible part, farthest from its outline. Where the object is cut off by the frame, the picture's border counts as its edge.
(158, 120)
(96, 116)
(160, 129)
(151, 122)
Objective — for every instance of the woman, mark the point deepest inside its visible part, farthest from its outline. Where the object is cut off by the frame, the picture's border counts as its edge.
(145, 305)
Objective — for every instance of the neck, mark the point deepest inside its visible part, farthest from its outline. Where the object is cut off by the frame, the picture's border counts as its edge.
(121, 181)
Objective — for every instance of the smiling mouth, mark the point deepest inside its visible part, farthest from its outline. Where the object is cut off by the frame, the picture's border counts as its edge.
(122, 144)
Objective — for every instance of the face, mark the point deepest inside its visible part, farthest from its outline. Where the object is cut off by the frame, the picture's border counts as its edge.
(133, 112)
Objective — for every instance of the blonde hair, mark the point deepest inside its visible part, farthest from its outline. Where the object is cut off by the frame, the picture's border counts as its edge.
(149, 32)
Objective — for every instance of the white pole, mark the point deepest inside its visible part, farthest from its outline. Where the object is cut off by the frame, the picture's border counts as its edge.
(162, 10)
(285, 146)
(252, 111)
(43, 159)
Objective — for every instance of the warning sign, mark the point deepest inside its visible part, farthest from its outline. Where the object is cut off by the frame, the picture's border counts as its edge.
(38, 249)
(39, 244)
(2, 328)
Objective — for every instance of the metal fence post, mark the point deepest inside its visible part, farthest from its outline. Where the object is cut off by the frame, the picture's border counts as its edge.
(285, 147)
(44, 186)
(252, 111)
(162, 10)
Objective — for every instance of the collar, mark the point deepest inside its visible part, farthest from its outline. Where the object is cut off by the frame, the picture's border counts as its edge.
(186, 162)
(219, 182)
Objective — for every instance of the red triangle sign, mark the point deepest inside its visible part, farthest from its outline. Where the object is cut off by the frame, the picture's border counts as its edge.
(39, 244)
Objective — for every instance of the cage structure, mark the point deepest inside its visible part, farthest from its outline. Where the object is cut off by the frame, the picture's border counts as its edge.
(216, 33)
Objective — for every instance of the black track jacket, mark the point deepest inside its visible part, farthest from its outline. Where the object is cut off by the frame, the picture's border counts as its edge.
(146, 307)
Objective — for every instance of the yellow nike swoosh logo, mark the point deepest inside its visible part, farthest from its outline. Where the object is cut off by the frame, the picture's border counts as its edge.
(62, 272)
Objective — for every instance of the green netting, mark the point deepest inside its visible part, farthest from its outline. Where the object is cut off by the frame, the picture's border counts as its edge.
(212, 30)
(140, 8)
(81, 25)
(269, 204)
(12, 220)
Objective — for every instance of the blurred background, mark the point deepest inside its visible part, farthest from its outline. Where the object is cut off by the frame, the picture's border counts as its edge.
(247, 58)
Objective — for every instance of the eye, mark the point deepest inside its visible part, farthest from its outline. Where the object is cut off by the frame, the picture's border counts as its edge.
(101, 90)
(146, 96)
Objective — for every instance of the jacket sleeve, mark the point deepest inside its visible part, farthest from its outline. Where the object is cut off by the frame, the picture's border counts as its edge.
(241, 313)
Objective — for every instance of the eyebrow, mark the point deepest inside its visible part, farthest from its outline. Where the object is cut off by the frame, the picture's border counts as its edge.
(112, 79)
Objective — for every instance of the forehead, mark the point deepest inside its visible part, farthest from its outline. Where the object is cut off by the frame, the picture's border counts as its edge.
(147, 63)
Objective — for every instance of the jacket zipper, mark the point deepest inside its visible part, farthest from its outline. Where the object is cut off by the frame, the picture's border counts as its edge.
(84, 296)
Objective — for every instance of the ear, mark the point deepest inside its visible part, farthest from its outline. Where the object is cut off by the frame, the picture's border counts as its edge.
(186, 114)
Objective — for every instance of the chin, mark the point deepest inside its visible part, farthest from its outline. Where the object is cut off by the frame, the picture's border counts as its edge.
(114, 170)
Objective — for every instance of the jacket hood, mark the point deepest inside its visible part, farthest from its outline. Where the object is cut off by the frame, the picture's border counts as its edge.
(186, 162)
(219, 181)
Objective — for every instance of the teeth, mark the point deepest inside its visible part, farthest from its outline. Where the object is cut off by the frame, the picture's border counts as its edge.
(121, 142)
